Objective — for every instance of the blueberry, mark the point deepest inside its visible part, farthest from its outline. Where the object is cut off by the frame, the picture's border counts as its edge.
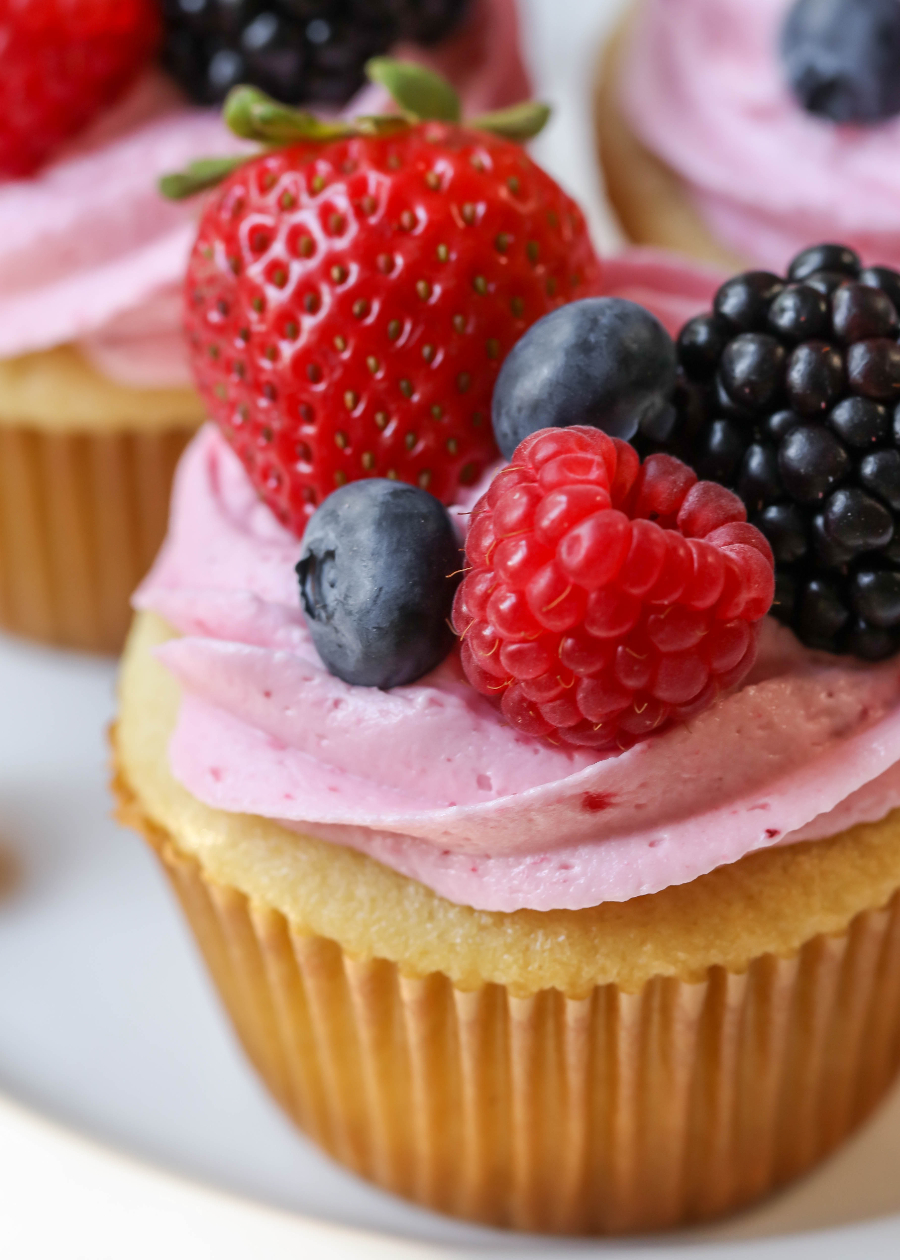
(744, 300)
(752, 370)
(860, 422)
(378, 572)
(856, 521)
(875, 594)
(700, 345)
(815, 377)
(880, 473)
(838, 259)
(784, 524)
(883, 278)
(873, 368)
(859, 311)
(758, 481)
(811, 461)
(799, 313)
(605, 362)
(842, 58)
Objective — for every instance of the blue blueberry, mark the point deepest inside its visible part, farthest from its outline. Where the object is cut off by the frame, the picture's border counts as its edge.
(604, 362)
(842, 58)
(378, 573)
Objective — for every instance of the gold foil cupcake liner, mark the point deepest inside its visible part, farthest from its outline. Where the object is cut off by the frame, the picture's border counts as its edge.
(609, 1112)
(81, 517)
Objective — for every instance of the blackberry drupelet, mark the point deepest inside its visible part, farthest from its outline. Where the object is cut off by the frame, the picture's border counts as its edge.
(296, 50)
(789, 394)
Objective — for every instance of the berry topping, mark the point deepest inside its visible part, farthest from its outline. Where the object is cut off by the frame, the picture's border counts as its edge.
(61, 62)
(842, 58)
(800, 422)
(296, 50)
(603, 361)
(351, 297)
(378, 572)
(605, 600)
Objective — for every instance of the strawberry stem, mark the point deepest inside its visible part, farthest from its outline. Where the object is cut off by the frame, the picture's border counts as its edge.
(199, 176)
(421, 94)
(253, 115)
(519, 122)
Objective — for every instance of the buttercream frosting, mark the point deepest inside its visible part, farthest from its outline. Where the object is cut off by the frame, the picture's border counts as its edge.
(703, 86)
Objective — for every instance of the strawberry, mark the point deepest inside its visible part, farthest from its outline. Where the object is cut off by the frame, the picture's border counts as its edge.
(61, 62)
(350, 300)
(605, 599)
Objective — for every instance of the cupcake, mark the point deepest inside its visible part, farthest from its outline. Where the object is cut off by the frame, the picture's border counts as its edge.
(588, 923)
(738, 132)
(96, 397)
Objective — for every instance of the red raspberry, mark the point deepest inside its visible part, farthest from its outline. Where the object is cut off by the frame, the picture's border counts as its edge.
(61, 62)
(606, 599)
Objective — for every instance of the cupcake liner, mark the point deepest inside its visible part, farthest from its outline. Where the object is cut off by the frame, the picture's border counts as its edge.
(611, 1112)
(81, 517)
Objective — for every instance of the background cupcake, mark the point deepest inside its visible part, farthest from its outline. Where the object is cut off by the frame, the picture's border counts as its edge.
(96, 400)
(737, 133)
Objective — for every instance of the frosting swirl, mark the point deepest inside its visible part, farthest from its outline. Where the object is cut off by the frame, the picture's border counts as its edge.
(703, 87)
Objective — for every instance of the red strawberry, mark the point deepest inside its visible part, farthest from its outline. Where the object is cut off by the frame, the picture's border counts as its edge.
(349, 304)
(61, 62)
(606, 599)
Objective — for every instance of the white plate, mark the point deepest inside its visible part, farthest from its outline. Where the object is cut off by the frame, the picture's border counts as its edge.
(114, 1055)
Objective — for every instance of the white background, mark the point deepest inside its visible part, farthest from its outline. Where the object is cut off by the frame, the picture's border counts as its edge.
(129, 1124)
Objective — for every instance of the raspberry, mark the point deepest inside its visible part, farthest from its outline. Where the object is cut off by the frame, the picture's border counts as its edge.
(605, 599)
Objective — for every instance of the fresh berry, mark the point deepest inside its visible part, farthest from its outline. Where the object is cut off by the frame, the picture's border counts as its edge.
(378, 572)
(602, 361)
(811, 444)
(349, 304)
(296, 50)
(842, 58)
(61, 62)
(605, 600)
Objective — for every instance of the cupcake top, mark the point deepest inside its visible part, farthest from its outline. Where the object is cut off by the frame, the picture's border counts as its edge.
(89, 251)
(472, 573)
(774, 134)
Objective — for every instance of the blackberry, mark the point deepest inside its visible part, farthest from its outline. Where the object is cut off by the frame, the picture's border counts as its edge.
(789, 394)
(296, 50)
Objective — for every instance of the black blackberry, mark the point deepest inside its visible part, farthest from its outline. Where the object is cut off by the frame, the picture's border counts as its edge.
(789, 394)
(296, 50)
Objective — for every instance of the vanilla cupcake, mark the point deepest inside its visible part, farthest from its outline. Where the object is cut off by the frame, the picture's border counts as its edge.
(738, 132)
(521, 980)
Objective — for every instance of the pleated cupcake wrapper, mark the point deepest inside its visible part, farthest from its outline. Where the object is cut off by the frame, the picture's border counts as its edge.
(613, 1112)
(81, 518)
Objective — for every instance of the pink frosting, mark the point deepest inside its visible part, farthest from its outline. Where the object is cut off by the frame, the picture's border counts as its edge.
(89, 250)
(703, 87)
(430, 780)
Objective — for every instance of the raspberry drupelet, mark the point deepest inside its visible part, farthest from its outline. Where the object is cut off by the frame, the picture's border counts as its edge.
(606, 599)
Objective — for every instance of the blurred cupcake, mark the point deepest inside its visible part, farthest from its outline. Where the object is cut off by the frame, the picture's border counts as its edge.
(96, 398)
(737, 133)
